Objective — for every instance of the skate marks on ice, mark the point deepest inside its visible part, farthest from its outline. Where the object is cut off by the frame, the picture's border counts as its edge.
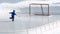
(34, 21)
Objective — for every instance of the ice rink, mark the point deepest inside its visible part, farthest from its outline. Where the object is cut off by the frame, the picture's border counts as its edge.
(31, 25)
(26, 24)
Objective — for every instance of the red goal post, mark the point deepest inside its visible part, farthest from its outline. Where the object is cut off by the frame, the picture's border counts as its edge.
(41, 9)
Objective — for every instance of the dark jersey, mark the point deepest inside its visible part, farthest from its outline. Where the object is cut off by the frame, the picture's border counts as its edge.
(12, 14)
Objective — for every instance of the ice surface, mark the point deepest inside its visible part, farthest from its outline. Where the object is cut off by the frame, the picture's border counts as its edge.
(30, 24)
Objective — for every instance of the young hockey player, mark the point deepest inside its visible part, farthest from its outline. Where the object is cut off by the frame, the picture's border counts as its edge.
(12, 15)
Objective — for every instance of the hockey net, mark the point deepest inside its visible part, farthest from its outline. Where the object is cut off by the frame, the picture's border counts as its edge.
(39, 9)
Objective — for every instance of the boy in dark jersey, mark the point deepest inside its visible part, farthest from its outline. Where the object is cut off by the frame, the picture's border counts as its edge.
(12, 15)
